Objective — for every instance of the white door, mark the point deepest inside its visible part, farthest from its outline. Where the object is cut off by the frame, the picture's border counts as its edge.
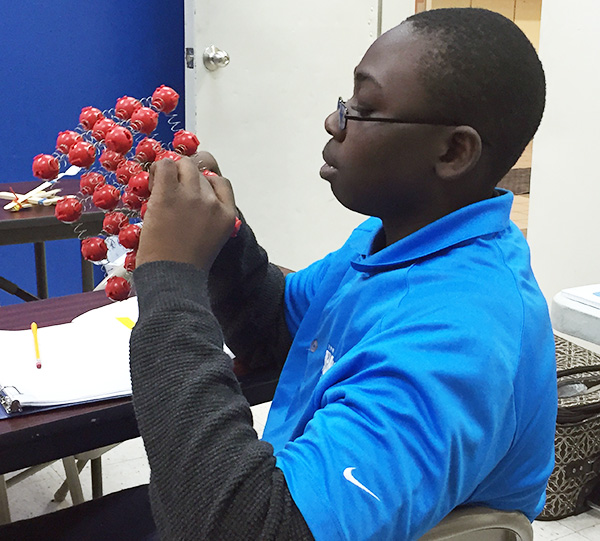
(262, 115)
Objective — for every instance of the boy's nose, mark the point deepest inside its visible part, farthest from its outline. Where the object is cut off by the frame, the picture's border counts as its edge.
(332, 127)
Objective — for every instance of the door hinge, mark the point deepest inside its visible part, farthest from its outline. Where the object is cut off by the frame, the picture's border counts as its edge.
(189, 57)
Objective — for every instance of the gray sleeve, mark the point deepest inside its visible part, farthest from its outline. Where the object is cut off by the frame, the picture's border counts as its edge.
(247, 297)
(211, 478)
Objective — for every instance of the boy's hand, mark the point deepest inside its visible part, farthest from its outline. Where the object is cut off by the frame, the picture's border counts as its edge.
(190, 216)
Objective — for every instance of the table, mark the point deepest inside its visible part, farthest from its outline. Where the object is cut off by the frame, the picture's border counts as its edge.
(41, 437)
(575, 318)
(33, 439)
(38, 224)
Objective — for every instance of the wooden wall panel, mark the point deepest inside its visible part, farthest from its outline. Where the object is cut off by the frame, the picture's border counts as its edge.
(525, 13)
(504, 7)
(527, 16)
(437, 4)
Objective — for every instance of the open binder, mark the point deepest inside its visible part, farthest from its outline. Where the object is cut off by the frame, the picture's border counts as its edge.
(82, 361)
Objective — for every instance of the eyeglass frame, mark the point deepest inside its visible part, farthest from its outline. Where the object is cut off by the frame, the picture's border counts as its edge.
(343, 117)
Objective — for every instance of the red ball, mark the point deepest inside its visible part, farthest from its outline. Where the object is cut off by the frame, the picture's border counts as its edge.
(126, 170)
(68, 210)
(130, 200)
(119, 139)
(144, 120)
(82, 154)
(89, 116)
(168, 155)
(45, 166)
(94, 249)
(139, 185)
(143, 209)
(102, 127)
(126, 106)
(185, 142)
(165, 99)
(106, 197)
(66, 139)
(110, 160)
(113, 222)
(129, 236)
(117, 288)
(147, 150)
(89, 181)
(130, 261)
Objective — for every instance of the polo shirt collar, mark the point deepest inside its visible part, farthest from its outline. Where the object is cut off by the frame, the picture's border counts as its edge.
(482, 218)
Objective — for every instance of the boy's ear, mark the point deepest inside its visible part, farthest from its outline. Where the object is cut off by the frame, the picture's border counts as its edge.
(462, 152)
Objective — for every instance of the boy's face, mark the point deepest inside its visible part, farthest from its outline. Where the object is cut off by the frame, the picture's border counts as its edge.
(386, 169)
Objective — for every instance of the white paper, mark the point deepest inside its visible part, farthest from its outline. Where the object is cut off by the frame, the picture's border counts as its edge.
(589, 295)
(87, 359)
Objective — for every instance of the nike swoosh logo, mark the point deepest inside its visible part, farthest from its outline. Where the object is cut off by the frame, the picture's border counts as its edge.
(349, 476)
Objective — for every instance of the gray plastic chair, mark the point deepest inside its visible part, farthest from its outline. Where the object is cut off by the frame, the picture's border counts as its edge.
(482, 524)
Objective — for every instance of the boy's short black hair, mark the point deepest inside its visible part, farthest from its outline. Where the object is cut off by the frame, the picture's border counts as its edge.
(481, 70)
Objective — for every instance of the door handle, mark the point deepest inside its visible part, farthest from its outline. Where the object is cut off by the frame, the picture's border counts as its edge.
(214, 58)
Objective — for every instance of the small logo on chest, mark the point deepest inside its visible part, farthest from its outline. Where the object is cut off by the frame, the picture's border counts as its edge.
(328, 360)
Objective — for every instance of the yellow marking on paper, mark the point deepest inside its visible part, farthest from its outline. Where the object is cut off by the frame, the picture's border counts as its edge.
(128, 322)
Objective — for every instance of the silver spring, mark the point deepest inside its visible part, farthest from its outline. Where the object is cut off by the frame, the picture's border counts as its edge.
(174, 123)
(80, 231)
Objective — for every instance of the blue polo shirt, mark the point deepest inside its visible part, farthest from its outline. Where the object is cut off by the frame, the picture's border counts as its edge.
(420, 378)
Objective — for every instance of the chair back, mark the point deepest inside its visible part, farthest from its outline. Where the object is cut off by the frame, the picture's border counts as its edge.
(482, 524)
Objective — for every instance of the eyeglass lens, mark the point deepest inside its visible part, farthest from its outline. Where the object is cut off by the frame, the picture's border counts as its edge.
(342, 111)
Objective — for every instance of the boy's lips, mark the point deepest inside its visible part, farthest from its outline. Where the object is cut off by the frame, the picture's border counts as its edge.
(327, 171)
(329, 168)
(327, 155)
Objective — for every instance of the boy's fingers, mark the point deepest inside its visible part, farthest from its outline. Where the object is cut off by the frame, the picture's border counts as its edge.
(163, 177)
(222, 188)
(188, 173)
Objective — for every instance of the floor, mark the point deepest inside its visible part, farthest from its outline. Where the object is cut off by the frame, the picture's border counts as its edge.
(126, 466)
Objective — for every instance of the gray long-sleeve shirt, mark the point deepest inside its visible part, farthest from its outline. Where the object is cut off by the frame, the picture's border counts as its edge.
(211, 477)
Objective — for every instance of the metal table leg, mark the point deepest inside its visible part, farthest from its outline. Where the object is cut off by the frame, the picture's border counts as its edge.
(40, 269)
(96, 467)
(4, 509)
(87, 275)
(15, 290)
(73, 480)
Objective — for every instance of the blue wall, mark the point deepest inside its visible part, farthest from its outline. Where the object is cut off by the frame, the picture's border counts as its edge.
(58, 57)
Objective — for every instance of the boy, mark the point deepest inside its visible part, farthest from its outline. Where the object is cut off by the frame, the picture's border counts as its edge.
(417, 362)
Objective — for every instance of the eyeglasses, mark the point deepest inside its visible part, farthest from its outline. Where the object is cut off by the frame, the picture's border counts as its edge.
(344, 117)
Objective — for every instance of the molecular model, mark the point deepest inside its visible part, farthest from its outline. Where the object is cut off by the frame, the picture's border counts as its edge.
(116, 149)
